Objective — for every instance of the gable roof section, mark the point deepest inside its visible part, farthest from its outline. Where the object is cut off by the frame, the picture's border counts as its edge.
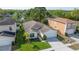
(35, 26)
(7, 21)
(62, 20)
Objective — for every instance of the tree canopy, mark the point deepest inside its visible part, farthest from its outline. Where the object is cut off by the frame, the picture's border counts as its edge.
(37, 13)
(71, 14)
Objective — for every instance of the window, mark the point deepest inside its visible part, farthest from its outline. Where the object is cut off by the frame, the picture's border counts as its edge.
(32, 35)
(10, 28)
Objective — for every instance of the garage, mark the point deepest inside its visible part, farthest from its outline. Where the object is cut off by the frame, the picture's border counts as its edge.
(70, 31)
(51, 34)
(5, 43)
(5, 48)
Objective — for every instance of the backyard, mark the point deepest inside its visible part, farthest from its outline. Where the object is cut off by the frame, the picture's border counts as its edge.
(25, 44)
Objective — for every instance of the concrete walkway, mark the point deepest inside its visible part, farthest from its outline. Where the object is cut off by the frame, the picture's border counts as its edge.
(57, 45)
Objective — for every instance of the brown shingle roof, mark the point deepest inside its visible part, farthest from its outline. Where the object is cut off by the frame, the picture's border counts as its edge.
(61, 20)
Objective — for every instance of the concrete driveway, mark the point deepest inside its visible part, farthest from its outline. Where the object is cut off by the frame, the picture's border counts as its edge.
(75, 37)
(57, 45)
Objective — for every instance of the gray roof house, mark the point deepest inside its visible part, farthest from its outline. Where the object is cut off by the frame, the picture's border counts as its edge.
(34, 27)
(7, 33)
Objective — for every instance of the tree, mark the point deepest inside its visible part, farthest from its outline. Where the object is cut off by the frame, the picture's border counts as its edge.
(26, 35)
(37, 14)
(18, 15)
(60, 13)
(71, 14)
(15, 16)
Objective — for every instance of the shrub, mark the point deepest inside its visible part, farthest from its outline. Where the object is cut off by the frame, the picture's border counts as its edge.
(60, 37)
(77, 29)
(45, 21)
(44, 37)
(66, 34)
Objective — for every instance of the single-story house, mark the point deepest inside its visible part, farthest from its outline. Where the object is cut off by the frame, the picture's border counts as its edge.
(34, 28)
(62, 25)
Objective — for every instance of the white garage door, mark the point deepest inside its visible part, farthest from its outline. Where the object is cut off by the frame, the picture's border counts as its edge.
(70, 31)
(5, 48)
(5, 43)
(51, 34)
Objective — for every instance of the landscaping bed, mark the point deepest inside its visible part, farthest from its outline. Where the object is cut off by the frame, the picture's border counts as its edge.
(77, 29)
(65, 39)
(75, 46)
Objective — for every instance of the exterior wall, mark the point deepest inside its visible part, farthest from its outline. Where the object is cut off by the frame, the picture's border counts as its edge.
(70, 31)
(65, 28)
(41, 34)
(71, 25)
(49, 34)
(6, 28)
(71, 28)
(60, 27)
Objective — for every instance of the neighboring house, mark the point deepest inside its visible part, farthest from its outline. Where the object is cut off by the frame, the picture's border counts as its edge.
(62, 25)
(7, 33)
(7, 24)
(34, 28)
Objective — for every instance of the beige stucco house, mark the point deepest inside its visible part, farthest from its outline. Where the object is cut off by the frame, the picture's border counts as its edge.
(62, 25)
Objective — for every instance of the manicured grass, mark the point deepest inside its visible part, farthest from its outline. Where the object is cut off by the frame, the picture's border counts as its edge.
(34, 46)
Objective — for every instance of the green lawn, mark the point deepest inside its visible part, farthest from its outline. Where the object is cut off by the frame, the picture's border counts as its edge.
(34, 46)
